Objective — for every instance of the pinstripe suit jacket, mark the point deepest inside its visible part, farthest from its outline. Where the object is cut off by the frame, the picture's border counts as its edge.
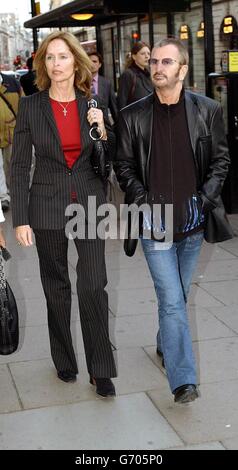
(43, 205)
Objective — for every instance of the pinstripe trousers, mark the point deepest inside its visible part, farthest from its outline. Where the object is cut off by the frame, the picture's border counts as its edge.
(52, 248)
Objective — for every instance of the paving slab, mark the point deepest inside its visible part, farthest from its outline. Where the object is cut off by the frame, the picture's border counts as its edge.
(26, 287)
(136, 330)
(132, 301)
(33, 344)
(126, 279)
(203, 297)
(219, 270)
(231, 246)
(218, 359)
(230, 444)
(206, 446)
(218, 251)
(226, 292)
(227, 315)
(136, 371)
(119, 260)
(213, 417)
(9, 400)
(204, 325)
(126, 422)
(38, 385)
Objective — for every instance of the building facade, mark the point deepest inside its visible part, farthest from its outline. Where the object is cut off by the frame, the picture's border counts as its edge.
(14, 40)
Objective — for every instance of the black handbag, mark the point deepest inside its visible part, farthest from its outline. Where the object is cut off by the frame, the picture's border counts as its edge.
(9, 327)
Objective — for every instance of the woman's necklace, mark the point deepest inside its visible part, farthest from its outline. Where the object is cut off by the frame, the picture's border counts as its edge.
(64, 107)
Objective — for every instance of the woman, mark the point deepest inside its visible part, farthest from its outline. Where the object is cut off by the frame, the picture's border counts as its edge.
(135, 82)
(57, 122)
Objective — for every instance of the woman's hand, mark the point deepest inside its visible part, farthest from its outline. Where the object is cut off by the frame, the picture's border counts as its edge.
(96, 115)
(2, 239)
(24, 235)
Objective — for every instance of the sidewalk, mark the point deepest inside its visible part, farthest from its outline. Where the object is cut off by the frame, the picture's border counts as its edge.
(38, 411)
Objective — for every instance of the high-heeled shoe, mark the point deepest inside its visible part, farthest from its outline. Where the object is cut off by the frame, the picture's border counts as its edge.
(66, 376)
(104, 386)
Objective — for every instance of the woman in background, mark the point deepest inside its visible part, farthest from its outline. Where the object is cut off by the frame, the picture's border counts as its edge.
(135, 82)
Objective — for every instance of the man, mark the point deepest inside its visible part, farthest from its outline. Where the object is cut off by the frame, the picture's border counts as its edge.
(172, 149)
(10, 92)
(28, 79)
(101, 86)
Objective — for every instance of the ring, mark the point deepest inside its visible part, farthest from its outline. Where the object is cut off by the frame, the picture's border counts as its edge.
(18, 243)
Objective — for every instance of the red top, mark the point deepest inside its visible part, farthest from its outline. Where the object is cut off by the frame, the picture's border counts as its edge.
(69, 129)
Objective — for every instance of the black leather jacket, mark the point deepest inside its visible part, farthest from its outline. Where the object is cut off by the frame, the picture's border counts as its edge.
(134, 84)
(209, 144)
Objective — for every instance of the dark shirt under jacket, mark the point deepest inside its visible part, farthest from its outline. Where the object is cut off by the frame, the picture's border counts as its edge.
(134, 84)
(172, 168)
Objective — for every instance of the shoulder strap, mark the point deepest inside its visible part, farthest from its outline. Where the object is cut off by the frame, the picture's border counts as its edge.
(8, 104)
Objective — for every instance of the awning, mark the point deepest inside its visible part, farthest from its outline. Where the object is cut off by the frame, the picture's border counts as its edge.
(104, 11)
(60, 17)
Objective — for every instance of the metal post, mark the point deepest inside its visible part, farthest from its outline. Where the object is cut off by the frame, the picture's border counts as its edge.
(99, 44)
(119, 47)
(208, 40)
(139, 27)
(170, 24)
(151, 24)
(34, 30)
(113, 61)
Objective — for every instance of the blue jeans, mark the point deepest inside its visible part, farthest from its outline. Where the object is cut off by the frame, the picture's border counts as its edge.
(172, 272)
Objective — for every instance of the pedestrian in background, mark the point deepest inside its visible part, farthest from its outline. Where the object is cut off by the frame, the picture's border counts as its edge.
(101, 86)
(172, 149)
(57, 121)
(135, 81)
(28, 79)
(10, 92)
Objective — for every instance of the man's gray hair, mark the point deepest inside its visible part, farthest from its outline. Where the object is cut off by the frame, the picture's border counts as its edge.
(184, 57)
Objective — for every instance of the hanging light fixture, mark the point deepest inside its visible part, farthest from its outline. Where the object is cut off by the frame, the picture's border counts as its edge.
(82, 16)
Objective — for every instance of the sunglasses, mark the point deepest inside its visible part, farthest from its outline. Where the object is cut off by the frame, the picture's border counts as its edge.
(167, 62)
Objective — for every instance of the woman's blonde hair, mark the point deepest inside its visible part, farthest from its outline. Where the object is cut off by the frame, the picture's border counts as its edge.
(82, 63)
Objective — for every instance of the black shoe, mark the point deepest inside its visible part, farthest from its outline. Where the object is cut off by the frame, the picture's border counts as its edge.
(66, 376)
(185, 393)
(160, 354)
(104, 386)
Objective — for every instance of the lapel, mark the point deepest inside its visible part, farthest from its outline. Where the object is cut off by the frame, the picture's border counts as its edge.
(48, 113)
(192, 118)
(146, 121)
(146, 129)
